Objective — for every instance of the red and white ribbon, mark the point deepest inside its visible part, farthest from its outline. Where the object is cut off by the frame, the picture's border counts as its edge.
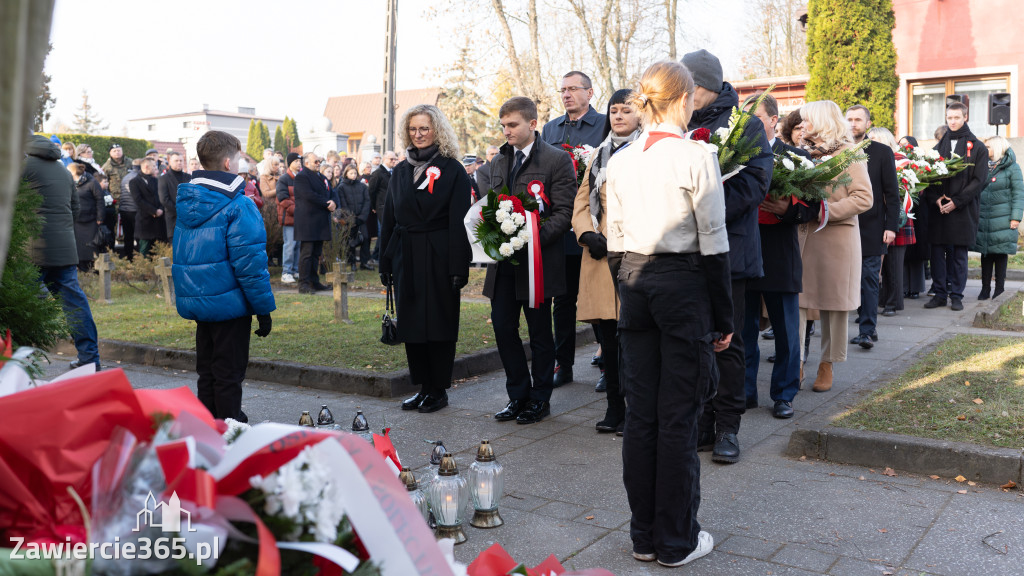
(535, 264)
(433, 173)
(908, 203)
(536, 189)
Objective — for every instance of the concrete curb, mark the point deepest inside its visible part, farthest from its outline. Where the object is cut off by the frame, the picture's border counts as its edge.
(386, 385)
(909, 454)
(986, 318)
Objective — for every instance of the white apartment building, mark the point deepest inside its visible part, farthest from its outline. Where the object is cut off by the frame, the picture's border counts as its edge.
(187, 128)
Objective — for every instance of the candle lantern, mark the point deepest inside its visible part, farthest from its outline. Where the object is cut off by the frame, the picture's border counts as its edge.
(361, 427)
(415, 494)
(306, 419)
(448, 495)
(437, 453)
(324, 418)
(487, 486)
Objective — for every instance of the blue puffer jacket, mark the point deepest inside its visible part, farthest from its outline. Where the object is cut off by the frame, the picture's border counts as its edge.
(220, 255)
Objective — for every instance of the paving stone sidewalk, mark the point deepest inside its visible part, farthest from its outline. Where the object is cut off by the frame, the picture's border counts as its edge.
(769, 514)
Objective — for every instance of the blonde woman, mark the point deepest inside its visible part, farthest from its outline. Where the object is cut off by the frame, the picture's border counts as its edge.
(832, 256)
(426, 251)
(669, 250)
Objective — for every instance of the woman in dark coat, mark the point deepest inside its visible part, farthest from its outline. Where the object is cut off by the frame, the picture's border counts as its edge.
(426, 251)
(1001, 210)
(149, 220)
(91, 210)
(354, 196)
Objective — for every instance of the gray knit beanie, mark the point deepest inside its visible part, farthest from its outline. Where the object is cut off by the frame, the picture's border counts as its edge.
(705, 69)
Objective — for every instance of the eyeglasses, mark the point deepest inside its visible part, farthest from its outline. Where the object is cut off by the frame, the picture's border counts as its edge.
(420, 130)
(571, 89)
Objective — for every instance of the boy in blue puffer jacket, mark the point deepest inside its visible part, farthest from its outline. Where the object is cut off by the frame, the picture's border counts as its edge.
(220, 272)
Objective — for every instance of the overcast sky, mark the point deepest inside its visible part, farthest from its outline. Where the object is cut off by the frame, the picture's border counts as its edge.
(140, 58)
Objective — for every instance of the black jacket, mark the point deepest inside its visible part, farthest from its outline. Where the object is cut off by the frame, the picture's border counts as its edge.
(148, 226)
(167, 190)
(312, 217)
(354, 196)
(379, 180)
(959, 227)
(884, 213)
(553, 168)
(424, 244)
(780, 246)
(91, 206)
(744, 191)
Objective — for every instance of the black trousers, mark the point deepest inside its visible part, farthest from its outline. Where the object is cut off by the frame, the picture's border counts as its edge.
(110, 221)
(724, 411)
(564, 311)
(309, 262)
(668, 373)
(222, 355)
(128, 229)
(892, 277)
(949, 267)
(990, 261)
(608, 329)
(505, 310)
(430, 364)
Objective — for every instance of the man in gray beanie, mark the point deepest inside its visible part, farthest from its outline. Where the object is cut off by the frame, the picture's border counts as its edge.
(713, 101)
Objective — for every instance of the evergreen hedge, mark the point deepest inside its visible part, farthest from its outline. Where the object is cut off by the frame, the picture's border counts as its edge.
(851, 56)
(133, 147)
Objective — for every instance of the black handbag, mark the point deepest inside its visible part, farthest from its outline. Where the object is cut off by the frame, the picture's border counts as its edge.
(101, 237)
(389, 322)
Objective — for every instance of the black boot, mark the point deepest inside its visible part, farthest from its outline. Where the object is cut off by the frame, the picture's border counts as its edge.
(614, 416)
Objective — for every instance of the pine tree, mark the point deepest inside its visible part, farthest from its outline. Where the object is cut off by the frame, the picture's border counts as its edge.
(291, 133)
(279, 144)
(459, 103)
(45, 102)
(258, 140)
(86, 121)
(265, 137)
(250, 137)
(851, 56)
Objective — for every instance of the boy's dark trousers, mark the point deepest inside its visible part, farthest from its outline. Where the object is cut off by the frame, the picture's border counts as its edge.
(222, 354)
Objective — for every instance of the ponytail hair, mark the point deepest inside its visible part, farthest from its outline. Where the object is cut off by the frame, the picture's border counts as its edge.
(662, 85)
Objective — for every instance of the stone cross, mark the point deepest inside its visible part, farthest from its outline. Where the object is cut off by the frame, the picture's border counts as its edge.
(104, 265)
(163, 269)
(340, 279)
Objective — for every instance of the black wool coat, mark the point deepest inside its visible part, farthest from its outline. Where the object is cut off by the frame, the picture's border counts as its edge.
(167, 189)
(148, 226)
(884, 213)
(552, 167)
(379, 181)
(780, 246)
(424, 243)
(312, 217)
(354, 197)
(959, 227)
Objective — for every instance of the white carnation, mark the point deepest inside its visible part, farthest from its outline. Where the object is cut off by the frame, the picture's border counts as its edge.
(505, 250)
(518, 218)
(805, 162)
(501, 215)
(516, 243)
(524, 235)
(931, 154)
(940, 168)
(788, 164)
(722, 133)
(505, 205)
(509, 227)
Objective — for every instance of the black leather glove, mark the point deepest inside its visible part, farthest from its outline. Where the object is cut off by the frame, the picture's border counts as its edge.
(459, 282)
(265, 325)
(596, 243)
(385, 279)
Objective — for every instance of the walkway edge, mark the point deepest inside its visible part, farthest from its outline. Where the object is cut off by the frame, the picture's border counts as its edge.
(386, 385)
(909, 454)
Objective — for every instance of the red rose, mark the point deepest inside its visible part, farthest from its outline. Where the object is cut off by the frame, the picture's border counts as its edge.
(567, 146)
(910, 146)
(701, 135)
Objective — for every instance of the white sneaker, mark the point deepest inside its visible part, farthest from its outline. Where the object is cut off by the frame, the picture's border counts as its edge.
(705, 543)
(649, 557)
(287, 279)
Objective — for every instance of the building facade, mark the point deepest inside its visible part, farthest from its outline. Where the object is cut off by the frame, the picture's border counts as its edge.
(362, 115)
(187, 128)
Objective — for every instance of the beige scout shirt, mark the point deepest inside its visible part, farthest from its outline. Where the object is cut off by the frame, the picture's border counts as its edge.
(666, 199)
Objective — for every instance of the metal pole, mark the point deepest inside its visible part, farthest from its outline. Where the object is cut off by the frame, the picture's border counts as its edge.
(387, 139)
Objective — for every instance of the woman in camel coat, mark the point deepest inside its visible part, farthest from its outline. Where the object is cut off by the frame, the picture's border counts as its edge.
(598, 301)
(832, 256)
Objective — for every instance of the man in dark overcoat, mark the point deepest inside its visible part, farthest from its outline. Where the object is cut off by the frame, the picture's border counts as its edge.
(953, 209)
(525, 159)
(313, 207)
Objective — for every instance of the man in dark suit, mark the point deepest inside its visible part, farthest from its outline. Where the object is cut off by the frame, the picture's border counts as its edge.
(580, 125)
(379, 180)
(526, 159)
(313, 207)
(877, 226)
(781, 284)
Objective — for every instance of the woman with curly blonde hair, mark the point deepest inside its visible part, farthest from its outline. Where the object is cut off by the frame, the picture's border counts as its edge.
(426, 252)
(832, 256)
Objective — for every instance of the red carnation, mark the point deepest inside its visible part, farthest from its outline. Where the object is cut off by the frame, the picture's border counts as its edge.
(701, 134)
(910, 146)
(517, 205)
(567, 146)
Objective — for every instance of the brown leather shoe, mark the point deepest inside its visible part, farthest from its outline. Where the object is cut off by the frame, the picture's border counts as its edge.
(823, 383)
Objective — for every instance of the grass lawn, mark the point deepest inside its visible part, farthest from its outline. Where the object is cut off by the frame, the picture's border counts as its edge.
(370, 280)
(969, 389)
(304, 329)
(1009, 316)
